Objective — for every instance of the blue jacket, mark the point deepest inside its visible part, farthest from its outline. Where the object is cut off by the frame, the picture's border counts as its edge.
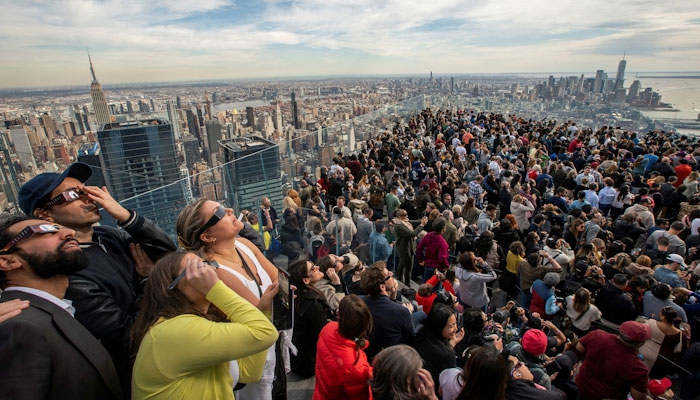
(379, 248)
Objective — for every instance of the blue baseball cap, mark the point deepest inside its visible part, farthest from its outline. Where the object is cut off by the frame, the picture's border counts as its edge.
(34, 191)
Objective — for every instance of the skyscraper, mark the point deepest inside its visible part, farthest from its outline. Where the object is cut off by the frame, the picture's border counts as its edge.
(254, 174)
(250, 116)
(99, 102)
(599, 80)
(634, 90)
(193, 125)
(620, 77)
(278, 117)
(141, 169)
(208, 105)
(23, 148)
(174, 118)
(295, 112)
(190, 148)
(213, 129)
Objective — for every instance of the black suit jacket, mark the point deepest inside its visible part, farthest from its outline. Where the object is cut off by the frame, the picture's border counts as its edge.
(47, 354)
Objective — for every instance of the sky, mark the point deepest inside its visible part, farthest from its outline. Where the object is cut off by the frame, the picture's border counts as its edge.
(43, 43)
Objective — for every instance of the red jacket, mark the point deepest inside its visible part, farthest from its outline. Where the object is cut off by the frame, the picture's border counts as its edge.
(434, 251)
(433, 281)
(337, 374)
(426, 302)
(682, 172)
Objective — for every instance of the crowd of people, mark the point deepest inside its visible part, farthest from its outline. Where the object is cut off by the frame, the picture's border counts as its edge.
(458, 255)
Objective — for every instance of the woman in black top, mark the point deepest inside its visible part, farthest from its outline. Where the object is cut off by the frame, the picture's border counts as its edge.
(436, 340)
(311, 313)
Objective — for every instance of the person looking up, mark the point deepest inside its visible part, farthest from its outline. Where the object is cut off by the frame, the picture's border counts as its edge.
(212, 231)
(48, 353)
(184, 348)
(107, 293)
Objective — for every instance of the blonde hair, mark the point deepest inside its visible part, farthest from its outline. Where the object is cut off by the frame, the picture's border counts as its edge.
(644, 261)
(189, 222)
(288, 202)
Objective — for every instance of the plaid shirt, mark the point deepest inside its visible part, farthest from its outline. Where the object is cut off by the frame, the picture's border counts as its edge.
(475, 191)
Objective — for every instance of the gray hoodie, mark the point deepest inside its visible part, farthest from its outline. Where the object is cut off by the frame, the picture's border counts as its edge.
(472, 285)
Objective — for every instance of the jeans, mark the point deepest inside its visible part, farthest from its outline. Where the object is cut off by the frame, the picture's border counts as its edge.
(428, 272)
(405, 268)
(604, 209)
(525, 299)
(418, 317)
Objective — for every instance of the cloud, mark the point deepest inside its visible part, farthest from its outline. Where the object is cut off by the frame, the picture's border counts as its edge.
(177, 39)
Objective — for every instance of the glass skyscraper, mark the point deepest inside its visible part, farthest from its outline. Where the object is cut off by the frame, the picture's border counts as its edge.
(254, 174)
(142, 171)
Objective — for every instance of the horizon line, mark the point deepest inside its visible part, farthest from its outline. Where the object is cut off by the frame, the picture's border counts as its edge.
(318, 77)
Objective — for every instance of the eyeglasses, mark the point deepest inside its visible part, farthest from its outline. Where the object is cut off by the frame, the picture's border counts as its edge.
(386, 278)
(65, 197)
(219, 214)
(515, 368)
(27, 232)
(313, 268)
(181, 275)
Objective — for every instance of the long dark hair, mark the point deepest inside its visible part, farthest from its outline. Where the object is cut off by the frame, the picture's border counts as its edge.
(159, 302)
(297, 273)
(437, 319)
(354, 322)
(483, 244)
(485, 375)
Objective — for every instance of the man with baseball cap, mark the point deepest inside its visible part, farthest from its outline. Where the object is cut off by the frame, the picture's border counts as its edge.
(107, 293)
(669, 273)
(611, 367)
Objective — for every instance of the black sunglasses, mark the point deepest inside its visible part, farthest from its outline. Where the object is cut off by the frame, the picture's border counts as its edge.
(181, 275)
(27, 232)
(219, 214)
(65, 197)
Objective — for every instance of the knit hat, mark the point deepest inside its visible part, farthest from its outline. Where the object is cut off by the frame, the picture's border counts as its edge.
(535, 342)
(657, 387)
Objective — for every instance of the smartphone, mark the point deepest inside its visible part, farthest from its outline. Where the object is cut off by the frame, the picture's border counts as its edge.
(283, 303)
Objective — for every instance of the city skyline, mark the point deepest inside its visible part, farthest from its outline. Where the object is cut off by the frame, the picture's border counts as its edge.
(218, 39)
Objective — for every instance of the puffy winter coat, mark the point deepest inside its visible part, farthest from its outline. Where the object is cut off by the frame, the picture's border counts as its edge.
(338, 376)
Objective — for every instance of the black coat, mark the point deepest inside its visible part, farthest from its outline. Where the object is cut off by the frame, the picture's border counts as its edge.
(614, 306)
(623, 229)
(311, 313)
(107, 294)
(47, 354)
(436, 353)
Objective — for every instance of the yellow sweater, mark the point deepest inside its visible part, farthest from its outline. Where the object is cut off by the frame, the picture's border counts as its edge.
(187, 357)
(512, 261)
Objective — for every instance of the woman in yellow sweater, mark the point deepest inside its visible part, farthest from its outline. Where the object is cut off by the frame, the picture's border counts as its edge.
(184, 348)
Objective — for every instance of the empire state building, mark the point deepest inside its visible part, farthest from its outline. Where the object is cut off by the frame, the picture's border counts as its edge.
(99, 102)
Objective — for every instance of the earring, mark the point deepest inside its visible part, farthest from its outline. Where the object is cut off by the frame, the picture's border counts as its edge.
(213, 240)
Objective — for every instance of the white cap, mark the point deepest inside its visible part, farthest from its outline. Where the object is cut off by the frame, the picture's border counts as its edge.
(677, 258)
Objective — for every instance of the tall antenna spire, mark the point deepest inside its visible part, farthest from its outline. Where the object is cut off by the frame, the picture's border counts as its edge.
(624, 54)
(92, 70)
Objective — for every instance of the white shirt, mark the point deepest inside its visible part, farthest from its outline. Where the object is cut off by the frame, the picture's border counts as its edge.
(63, 303)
